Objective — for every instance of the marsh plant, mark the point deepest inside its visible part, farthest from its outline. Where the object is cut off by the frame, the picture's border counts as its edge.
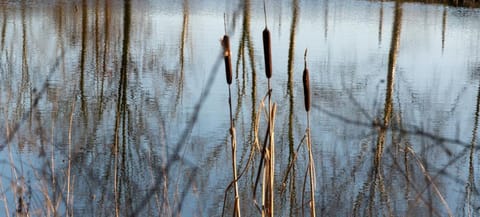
(114, 108)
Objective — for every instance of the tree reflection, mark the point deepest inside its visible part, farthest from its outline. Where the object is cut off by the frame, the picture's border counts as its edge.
(121, 130)
(444, 26)
(470, 187)
(380, 23)
(83, 60)
(290, 87)
(4, 28)
(376, 177)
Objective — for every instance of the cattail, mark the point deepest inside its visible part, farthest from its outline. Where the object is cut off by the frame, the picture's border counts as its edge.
(267, 45)
(227, 58)
(267, 50)
(306, 85)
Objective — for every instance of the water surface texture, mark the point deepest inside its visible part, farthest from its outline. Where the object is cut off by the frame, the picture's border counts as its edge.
(120, 108)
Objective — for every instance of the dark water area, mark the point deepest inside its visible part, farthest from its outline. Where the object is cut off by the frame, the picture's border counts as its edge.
(120, 108)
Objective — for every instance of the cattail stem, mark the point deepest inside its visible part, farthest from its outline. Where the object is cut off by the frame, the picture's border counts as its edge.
(225, 22)
(265, 12)
(272, 159)
(311, 168)
(311, 164)
(233, 140)
(232, 123)
(235, 176)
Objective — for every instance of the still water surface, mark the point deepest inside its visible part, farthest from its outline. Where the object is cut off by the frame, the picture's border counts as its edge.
(121, 108)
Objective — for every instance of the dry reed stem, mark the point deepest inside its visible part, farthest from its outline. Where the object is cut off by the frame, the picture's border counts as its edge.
(72, 197)
(304, 189)
(12, 164)
(311, 167)
(256, 146)
(264, 160)
(311, 163)
(270, 169)
(383, 195)
(264, 182)
(268, 190)
(70, 201)
(5, 201)
(234, 166)
(166, 201)
(256, 128)
(271, 177)
(291, 163)
(233, 140)
(435, 188)
(52, 164)
(48, 202)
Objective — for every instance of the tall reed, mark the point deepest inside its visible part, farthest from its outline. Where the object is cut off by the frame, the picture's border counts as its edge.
(269, 171)
(266, 168)
(311, 163)
(233, 142)
(268, 197)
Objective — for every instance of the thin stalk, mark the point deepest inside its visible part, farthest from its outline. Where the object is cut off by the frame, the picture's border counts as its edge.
(264, 182)
(225, 23)
(311, 166)
(264, 155)
(269, 172)
(5, 201)
(228, 73)
(272, 158)
(431, 182)
(234, 155)
(292, 163)
(265, 12)
(69, 200)
(52, 166)
(311, 163)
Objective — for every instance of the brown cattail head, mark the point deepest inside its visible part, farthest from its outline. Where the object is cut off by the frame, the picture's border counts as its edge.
(267, 51)
(306, 85)
(227, 58)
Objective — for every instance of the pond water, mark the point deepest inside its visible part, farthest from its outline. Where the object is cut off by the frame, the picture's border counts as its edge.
(119, 108)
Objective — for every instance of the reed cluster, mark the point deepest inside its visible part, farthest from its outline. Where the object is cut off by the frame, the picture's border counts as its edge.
(265, 176)
(311, 162)
(233, 141)
(268, 150)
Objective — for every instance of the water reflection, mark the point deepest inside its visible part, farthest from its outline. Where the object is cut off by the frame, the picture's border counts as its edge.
(115, 108)
(444, 26)
(325, 18)
(380, 23)
(4, 28)
(376, 179)
(83, 48)
(470, 188)
(292, 172)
